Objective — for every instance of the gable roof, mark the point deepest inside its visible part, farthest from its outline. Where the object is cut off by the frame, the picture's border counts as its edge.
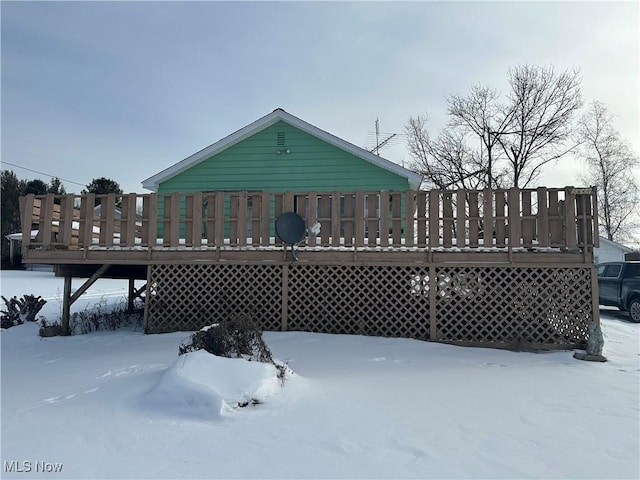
(277, 115)
(605, 242)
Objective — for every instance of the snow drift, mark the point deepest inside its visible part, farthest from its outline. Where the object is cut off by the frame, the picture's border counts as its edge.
(202, 386)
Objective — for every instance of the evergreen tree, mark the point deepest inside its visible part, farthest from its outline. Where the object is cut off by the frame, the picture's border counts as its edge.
(104, 185)
(37, 187)
(12, 188)
(56, 187)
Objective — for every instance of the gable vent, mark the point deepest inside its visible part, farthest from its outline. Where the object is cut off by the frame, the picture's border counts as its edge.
(280, 139)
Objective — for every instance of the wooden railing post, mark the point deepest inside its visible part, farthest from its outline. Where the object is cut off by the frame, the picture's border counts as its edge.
(174, 220)
(359, 221)
(447, 219)
(193, 219)
(595, 225)
(488, 229)
(474, 219)
(313, 216)
(128, 217)
(26, 214)
(65, 236)
(149, 232)
(287, 202)
(461, 218)
(556, 236)
(45, 228)
(255, 217)
(434, 219)
(528, 221)
(348, 219)
(570, 225)
(107, 219)
(335, 219)
(233, 219)
(242, 218)
(421, 218)
(515, 218)
(384, 218)
(500, 223)
(85, 233)
(265, 218)
(542, 219)
(409, 216)
(396, 219)
(219, 220)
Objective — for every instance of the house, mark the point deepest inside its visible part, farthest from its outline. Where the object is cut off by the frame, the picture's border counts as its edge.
(610, 251)
(389, 259)
(15, 251)
(280, 152)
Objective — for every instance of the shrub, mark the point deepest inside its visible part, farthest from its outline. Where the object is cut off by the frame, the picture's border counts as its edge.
(50, 329)
(102, 316)
(21, 310)
(235, 338)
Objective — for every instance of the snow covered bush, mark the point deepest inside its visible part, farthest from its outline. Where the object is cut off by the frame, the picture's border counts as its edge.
(21, 310)
(236, 338)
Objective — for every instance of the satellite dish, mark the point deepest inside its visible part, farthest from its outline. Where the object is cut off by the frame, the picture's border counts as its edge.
(290, 228)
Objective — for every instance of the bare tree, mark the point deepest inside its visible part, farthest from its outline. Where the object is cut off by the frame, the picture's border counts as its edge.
(516, 137)
(610, 164)
(542, 105)
(482, 115)
(446, 162)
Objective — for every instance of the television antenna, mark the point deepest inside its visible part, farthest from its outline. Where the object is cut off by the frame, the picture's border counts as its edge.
(388, 140)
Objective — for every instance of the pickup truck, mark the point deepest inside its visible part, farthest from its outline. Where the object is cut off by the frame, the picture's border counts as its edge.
(619, 286)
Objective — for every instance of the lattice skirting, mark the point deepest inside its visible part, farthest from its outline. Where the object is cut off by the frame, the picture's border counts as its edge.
(513, 306)
(367, 300)
(517, 306)
(188, 297)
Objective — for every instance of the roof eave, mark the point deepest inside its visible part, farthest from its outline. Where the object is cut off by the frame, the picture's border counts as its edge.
(152, 183)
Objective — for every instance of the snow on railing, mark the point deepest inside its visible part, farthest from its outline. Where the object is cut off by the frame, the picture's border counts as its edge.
(542, 218)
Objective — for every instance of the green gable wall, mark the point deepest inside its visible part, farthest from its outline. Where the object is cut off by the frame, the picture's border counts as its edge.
(311, 165)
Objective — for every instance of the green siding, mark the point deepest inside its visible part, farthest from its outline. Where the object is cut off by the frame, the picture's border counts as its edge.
(312, 165)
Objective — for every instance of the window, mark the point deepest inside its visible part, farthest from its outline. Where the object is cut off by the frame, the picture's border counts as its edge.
(613, 271)
(633, 270)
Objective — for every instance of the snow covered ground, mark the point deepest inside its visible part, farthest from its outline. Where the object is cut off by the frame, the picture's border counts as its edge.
(122, 405)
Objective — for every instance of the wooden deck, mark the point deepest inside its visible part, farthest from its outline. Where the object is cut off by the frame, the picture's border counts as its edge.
(423, 226)
(493, 267)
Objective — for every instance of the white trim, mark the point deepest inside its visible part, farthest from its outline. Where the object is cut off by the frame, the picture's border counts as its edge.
(278, 114)
(17, 237)
(619, 246)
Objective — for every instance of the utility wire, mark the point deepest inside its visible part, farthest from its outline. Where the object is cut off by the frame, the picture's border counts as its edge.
(42, 173)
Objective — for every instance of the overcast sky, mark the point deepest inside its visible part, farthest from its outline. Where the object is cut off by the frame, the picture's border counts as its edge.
(125, 89)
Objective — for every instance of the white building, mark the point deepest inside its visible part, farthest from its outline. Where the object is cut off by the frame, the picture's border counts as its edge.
(609, 251)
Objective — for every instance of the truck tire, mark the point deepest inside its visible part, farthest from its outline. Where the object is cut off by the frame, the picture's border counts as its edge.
(634, 310)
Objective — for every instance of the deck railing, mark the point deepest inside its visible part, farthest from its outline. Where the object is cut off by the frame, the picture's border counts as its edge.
(539, 218)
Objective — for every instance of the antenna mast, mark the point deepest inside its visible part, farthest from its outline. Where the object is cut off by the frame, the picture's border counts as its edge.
(379, 143)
